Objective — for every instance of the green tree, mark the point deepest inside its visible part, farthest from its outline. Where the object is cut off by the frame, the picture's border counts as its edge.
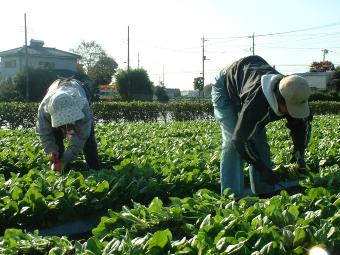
(207, 90)
(134, 84)
(90, 53)
(198, 84)
(104, 70)
(322, 66)
(39, 81)
(95, 62)
(9, 92)
(161, 94)
(335, 81)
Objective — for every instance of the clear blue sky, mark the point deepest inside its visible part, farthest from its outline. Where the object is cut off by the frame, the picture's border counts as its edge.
(167, 34)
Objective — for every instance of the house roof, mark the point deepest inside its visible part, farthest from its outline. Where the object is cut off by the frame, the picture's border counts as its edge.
(38, 52)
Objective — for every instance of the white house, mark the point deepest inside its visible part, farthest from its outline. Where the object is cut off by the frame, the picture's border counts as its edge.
(317, 80)
(172, 92)
(14, 60)
(189, 93)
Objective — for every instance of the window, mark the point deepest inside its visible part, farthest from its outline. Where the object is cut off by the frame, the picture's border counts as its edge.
(47, 65)
(10, 64)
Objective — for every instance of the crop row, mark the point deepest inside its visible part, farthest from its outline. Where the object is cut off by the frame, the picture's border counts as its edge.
(203, 224)
(160, 163)
(172, 146)
(171, 160)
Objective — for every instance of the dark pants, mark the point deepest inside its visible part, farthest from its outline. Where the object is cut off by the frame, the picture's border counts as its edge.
(90, 148)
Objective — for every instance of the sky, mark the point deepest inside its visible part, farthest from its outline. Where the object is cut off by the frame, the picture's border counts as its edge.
(166, 35)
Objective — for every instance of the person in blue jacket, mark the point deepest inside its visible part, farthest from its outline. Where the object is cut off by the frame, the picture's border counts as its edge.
(246, 97)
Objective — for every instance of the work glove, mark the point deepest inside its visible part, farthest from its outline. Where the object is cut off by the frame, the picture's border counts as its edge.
(53, 156)
(58, 166)
(298, 158)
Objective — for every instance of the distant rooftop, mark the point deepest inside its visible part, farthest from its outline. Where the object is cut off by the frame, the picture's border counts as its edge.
(36, 48)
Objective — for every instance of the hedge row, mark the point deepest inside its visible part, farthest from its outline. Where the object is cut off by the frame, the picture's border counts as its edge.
(325, 96)
(14, 115)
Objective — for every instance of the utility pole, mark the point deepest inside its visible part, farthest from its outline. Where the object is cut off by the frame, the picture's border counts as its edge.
(138, 60)
(203, 59)
(253, 47)
(26, 61)
(128, 56)
(163, 77)
(128, 64)
(324, 54)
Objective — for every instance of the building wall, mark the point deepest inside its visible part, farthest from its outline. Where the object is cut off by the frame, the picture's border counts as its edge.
(7, 71)
(34, 62)
(317, 80)
(189, 93)
(172, 92)
(53, 63)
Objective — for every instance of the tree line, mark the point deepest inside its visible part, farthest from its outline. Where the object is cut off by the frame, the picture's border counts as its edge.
(95, 66)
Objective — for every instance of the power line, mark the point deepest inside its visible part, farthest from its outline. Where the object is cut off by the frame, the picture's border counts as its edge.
(300, 30)
(274, 34)
(213, 48)
(191, 51)
(277, 33)
(310, 39)
(188, 50)
(230, 37)
(292, 48)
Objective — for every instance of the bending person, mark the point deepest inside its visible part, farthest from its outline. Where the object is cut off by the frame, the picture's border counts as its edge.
(65, 113)
(246, 97)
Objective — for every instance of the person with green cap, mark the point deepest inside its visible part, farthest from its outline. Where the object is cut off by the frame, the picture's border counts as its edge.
(64, 113)
(246, 97)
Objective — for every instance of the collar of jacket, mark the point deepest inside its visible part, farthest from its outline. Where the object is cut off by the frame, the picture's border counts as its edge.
(269, 82)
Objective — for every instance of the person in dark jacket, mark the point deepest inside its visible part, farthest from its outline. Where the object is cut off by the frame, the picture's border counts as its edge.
(65, 113)
(246, 97)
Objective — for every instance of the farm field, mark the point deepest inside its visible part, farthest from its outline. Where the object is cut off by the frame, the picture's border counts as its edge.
(159, 192)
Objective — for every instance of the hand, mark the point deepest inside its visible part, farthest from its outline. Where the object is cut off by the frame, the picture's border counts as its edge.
(53, 156)
(58, 166)
(298, 157)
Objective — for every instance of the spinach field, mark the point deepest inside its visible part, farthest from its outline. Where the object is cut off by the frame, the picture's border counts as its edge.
(158, 193)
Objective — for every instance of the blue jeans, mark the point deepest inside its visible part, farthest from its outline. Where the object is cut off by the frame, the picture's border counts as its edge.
(231, 165)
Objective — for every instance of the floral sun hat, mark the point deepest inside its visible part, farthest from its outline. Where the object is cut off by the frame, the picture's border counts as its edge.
(65, 108)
